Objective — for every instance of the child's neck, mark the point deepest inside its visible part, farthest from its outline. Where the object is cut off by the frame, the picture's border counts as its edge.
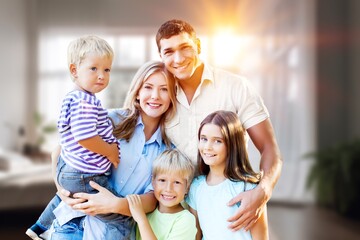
(172, 209)
(215, 177)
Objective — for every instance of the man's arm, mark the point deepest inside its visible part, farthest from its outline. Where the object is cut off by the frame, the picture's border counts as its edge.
(253, 201)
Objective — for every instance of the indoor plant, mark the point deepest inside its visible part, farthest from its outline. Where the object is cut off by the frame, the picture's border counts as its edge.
(335, 175)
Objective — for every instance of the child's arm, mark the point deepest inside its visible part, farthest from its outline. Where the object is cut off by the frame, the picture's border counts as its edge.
(199, 232)
(98, 145)
(137, 212)
(260, 229)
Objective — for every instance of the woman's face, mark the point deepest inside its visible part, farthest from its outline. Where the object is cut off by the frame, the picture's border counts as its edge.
(154, 97)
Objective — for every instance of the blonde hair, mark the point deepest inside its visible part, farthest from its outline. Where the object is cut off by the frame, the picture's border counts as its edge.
(126, 128)
(82, 47)
(171, 161)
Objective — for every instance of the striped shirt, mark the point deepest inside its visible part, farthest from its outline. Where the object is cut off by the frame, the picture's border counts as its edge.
(83, 117)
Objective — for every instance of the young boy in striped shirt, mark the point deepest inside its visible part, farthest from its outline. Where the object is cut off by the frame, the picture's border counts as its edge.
(88, 147)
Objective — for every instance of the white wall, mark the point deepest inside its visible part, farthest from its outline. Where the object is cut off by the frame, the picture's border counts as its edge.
(13, 68)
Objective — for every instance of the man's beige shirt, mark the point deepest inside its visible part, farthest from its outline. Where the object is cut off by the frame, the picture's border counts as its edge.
(218, 90)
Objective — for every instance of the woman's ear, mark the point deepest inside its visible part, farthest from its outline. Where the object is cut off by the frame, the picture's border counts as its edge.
(73, 70)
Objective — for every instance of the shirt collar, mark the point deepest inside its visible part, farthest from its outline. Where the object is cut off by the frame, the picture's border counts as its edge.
(207, 75)
(155, 137)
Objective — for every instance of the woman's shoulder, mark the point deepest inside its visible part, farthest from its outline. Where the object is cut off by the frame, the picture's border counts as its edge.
(117, 114)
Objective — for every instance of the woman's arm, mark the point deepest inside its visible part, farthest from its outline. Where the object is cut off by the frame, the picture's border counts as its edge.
(105, 202)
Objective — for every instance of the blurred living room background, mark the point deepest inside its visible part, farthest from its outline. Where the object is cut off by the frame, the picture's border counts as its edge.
(302, 56)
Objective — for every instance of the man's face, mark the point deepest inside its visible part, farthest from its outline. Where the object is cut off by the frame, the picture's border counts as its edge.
(180, 55)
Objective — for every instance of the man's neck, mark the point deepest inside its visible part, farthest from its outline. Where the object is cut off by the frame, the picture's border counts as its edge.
(190, 85)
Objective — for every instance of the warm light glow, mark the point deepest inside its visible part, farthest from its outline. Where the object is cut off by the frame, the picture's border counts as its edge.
(230, 48)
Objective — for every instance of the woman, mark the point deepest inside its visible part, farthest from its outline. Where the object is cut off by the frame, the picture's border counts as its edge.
(139, 126)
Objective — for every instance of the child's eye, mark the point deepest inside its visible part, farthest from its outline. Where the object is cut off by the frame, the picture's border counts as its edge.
(203, 139)
(177, 182)
(164, 89)
(161, 180)
(218, 141)
(107, 70)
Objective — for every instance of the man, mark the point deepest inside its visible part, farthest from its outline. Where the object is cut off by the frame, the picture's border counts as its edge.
(202, 90)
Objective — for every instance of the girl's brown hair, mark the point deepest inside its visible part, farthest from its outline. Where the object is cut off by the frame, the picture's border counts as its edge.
(237, 165)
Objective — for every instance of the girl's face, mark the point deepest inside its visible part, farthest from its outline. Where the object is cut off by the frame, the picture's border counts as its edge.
(212, 146)
(169, 190)
(154, 97)
(92, 74)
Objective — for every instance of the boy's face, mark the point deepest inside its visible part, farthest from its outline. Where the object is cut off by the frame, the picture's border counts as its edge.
(169, 190)
(180, 54)
(92, 74)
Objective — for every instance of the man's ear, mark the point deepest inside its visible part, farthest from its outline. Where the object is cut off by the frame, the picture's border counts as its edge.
(198, 44)
(73, 70)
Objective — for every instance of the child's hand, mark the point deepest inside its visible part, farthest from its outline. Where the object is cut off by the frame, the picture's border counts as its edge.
(113, 155)
(136, 207)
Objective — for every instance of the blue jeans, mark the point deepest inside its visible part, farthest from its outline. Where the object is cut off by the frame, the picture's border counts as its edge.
(74, 230)
(117, 226)
(73, 181)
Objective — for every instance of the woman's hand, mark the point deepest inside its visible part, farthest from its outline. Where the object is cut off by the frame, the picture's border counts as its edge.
(99, 203)
(65, 197)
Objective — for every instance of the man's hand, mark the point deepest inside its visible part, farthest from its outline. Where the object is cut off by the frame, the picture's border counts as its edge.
(251, 207)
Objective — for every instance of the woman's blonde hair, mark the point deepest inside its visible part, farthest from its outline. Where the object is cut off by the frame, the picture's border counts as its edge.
(126, 128)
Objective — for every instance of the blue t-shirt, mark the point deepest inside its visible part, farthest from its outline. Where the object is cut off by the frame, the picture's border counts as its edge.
(207, 199)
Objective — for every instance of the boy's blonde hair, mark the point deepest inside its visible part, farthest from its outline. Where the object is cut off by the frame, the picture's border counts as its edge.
(171, 161)
(82, 47)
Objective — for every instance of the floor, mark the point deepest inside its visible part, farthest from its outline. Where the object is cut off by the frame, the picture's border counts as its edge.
(285, 222)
